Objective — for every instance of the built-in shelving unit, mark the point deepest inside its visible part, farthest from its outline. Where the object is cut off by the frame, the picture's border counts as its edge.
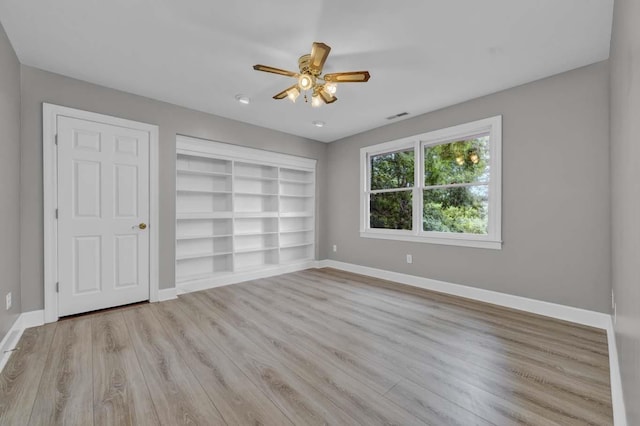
(240, 210)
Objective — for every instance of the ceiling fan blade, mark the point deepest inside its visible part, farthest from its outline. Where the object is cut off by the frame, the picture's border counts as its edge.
(319, 54)
(273, 70)
(348, 77)
(328, 98)
(283, 94)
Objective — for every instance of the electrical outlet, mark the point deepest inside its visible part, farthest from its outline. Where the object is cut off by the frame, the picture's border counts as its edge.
(8, 300)
(409, 258)
(335, 248)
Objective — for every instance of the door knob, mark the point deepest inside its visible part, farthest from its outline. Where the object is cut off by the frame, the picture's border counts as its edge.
(142, 226)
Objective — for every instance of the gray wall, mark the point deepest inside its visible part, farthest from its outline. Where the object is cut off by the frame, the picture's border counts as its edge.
(40, 86)
(555, 195)
(9, 182)
(625, 194)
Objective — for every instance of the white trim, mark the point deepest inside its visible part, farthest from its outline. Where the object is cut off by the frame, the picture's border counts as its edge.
(238, 277)
(32, 319)
(165, 294)
(617, 397)
(50, 113)
(203, 147)
(447, 241)
(554, 310)
(493, 240)
(11, 339)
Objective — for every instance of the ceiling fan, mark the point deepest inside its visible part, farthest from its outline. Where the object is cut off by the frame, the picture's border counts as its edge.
(322, 87)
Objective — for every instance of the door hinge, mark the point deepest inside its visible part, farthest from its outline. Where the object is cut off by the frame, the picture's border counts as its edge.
(58, 287)
(56, 139)
(56, 213)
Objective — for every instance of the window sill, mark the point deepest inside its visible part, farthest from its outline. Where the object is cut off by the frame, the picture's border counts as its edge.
(485, 244)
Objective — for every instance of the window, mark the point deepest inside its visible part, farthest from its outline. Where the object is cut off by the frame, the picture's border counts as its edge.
(440, 187)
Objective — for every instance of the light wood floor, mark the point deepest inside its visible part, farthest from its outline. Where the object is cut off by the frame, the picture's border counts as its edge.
(314, 347)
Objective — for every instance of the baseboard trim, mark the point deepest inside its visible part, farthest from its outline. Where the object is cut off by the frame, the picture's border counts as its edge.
(165, 294)
(617, 397)
(553, 310)
(10, 340)
(235, 278)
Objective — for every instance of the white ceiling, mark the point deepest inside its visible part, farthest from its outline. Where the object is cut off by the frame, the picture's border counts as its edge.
(422, 54)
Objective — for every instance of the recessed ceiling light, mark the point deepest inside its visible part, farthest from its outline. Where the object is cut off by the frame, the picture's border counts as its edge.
(318, 123)
(243, 99)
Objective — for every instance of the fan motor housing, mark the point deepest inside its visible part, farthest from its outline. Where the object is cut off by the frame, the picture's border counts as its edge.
(303, 64)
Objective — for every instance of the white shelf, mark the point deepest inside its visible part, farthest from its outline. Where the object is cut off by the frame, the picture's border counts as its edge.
(247, 234)
(254, 177)
(296, 214)
(201, 173)
(254, 194)
(302, 182)
(253, 250)
(296, 231)
(296, 245)
(198, 256)
(249, 215)
(197, 216)
(201, 237)
(240, 210)
(202, 191)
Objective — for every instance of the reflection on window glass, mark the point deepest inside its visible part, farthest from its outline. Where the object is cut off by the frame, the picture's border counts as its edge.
(391, 210)
(465, 161)
(392, 170)
(458, 209)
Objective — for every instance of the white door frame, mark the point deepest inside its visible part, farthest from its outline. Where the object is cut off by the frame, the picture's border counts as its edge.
(50, 114)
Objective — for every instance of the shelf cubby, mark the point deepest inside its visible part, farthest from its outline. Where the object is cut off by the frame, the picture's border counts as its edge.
(202, 202)
(195, 163)
(199, 182)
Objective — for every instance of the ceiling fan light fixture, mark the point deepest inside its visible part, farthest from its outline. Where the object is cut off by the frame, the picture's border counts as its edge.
(316, 100)
(293, 94)
(331, 88)
(305, 82)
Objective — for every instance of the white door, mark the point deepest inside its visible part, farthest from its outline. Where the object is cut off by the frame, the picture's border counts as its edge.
(103, 209)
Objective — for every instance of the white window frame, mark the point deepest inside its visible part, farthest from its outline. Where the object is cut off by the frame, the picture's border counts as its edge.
(493, 238)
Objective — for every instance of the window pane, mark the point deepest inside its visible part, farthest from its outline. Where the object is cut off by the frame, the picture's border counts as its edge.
(392, 170)
(391, 210)
(464, 161)
(461, 210)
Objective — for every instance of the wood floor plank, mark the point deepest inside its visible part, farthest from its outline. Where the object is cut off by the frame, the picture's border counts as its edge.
(315, 347)
(176, 393)
(239, 400)
(563, 344)
(120, 393)
(469, 344)
(522, 319)
(544, 386)
(352, 396)
(21, 375)
(460, 387)
(418, 362)
(434, 409)
(65, 395)
(434, 339)
(380, 381)
(300, 401)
